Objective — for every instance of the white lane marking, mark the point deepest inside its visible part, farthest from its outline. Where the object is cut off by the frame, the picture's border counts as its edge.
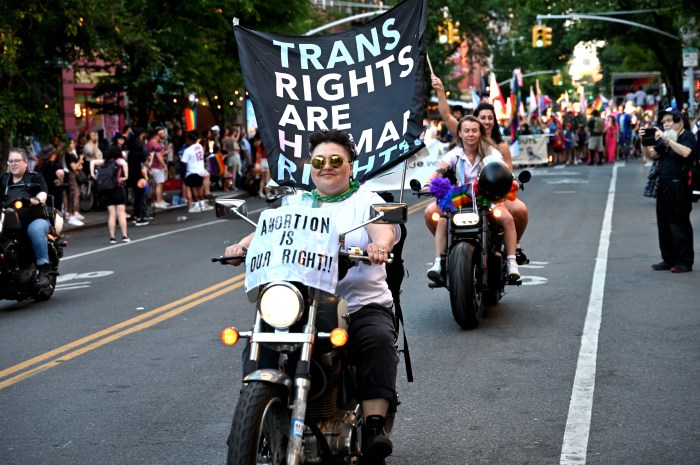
(578, 422)
(156, 236)
(72, 284)
(69, 288)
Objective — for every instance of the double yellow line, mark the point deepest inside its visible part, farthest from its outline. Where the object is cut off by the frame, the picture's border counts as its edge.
(31, 367)
(74, 349)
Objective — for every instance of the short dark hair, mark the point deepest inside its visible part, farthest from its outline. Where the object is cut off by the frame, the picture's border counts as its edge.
(335, 136)
(113, 152)
(192, 135)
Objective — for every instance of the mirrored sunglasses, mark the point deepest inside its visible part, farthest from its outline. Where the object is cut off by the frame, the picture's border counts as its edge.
(318, 162)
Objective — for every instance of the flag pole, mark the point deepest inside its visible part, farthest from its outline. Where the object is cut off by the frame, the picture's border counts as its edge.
(427, 57)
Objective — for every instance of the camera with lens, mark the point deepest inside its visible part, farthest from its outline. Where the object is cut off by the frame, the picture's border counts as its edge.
(649, 137)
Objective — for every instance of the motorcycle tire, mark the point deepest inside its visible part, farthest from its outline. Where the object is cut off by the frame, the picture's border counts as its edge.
(463, 277)
(260, 428)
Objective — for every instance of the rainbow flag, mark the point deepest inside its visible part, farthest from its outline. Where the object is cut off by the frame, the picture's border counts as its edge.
(190, 119)
(216, 164)
(600, 102)
(460, 196)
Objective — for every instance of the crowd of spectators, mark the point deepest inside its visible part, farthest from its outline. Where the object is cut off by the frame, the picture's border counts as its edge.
(232, 162)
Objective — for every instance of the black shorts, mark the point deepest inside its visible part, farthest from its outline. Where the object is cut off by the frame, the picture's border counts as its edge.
(194, 180)
(116, 196)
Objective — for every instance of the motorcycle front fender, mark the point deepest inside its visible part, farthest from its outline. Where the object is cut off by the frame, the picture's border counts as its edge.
(268, 375)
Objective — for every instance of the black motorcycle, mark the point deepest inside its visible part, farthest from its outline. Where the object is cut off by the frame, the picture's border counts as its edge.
(474, 267)
(303, 411)
(18, 270)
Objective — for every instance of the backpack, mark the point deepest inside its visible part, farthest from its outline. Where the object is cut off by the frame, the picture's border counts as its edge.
(107, 176)
(598, 125)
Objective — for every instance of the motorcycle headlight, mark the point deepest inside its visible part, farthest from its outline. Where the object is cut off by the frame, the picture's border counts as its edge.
(280, 305)
(465, 219)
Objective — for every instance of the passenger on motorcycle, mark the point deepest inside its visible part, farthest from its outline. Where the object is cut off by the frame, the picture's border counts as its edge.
(487, 115)
(32, 217)
(371, 328)
(466, 160)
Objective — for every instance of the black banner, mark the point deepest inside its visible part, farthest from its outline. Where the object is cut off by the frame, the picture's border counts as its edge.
(367, 81)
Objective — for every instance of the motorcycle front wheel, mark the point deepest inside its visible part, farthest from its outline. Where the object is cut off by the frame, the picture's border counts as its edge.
(260, 428)
(463, 276)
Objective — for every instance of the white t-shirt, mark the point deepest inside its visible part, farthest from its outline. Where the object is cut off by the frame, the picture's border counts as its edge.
(363, 284)
(194, 157)
(456, 159)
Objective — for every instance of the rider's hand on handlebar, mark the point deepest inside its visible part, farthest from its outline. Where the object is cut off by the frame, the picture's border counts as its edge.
(378, 253)
(235, 250)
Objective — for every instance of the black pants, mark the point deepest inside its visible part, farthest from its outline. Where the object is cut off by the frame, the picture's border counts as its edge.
(673, 206)
(140, 209)
(371, 350)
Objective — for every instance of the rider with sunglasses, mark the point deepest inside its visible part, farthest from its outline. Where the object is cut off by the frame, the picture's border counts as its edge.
(371, 328)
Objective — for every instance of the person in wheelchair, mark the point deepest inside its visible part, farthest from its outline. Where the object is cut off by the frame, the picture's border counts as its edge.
(33, 218)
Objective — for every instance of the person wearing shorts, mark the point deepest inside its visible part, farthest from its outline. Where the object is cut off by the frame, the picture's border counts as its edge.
(114, 199)
(196, 175)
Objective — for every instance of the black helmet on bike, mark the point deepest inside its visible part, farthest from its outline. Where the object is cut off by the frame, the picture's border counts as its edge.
(495, 178)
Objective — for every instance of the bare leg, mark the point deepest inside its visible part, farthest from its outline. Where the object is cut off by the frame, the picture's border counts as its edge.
(121, 216)
(111, 219)
(518, 210)
(375, 407)
(428, 217)
(509, 236)
(441, 237)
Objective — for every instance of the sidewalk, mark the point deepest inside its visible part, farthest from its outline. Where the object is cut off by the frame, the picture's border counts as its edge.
(95, 218)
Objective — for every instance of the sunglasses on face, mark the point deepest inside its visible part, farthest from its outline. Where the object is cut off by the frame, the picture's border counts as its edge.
(318, 162)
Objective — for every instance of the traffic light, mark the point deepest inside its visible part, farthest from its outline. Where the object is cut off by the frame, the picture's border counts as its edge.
(537, 36)
(547, 38)
(442, 34)
(455, 37)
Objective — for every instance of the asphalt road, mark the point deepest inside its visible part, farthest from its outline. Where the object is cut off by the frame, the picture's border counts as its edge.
(123, 364)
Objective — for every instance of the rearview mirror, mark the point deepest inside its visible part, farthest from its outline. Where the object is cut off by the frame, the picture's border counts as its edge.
(231, 209)
(415, 185)
(393, 213)
(524, 176)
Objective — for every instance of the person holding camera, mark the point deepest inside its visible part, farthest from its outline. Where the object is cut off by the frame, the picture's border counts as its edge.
(674, 146)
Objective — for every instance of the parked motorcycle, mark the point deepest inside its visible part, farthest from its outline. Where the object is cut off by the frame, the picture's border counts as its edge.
(310, 417)
(18, 270)
(474, 268)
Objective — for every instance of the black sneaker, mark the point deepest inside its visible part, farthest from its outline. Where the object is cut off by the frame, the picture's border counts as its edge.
(520, 257)
(375, 445)
(661, 266)
(681, 268)
(42, 277)
(140, 222)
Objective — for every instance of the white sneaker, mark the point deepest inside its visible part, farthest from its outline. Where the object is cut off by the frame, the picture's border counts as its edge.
(434, 271)
(75, 221)
(513, 273)
(195, 208)
(163, 205)
(79, 216)
(206, 207)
